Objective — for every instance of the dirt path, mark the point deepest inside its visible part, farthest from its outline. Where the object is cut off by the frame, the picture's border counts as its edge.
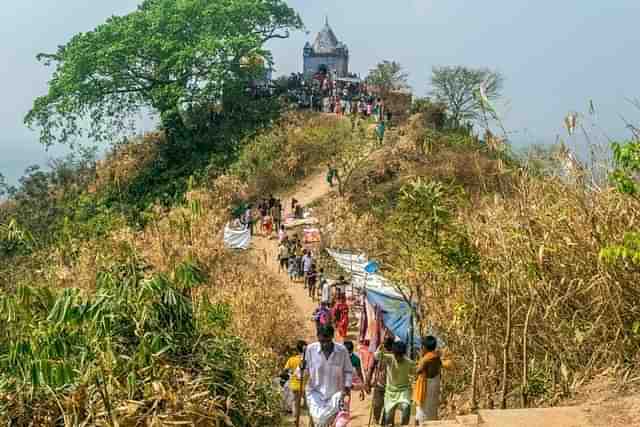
(310, 190)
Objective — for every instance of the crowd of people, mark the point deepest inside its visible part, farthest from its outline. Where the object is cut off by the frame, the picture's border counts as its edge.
(323, 375)
(327, 93)
(268, 215)
(366, 106)
(362, 109)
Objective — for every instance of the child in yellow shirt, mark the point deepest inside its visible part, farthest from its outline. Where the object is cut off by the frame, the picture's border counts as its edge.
(296, 386)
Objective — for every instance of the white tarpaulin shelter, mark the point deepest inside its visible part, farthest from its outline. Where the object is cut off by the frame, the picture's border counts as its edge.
(355, 265)
(237, 238)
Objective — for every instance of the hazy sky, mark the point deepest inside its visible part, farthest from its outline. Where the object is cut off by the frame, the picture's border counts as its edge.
(555, 55)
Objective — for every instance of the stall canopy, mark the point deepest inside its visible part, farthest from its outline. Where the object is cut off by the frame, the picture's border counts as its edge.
(349, 79)
(380, 292)
(355, 265)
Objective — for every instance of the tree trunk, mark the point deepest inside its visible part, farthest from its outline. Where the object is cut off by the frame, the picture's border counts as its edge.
(340, 184)
(474, 374)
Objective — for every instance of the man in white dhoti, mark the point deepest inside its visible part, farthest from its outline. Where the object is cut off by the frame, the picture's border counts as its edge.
(328, 365)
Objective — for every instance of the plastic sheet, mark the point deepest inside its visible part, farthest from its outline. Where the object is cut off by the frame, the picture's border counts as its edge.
(237, 238)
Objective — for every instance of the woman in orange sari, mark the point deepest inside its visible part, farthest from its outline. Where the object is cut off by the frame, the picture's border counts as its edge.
(426, 393)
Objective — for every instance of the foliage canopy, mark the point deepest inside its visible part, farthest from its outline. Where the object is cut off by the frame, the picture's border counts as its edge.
(626, 178)
(627, 172)
(457, 87)
(167, 57)
(388, 76)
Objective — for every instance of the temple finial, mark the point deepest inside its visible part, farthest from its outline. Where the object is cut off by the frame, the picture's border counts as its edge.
(326, 20)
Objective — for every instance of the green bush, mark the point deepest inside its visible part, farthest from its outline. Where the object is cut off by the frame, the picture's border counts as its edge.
(118, 345)
(278, 157)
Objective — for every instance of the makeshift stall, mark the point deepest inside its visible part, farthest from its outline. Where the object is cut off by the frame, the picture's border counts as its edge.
(355, 265)
(311, 236)
(382, 307)
(305, 228)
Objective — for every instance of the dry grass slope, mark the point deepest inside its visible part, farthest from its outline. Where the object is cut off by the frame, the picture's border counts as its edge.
(545, 310)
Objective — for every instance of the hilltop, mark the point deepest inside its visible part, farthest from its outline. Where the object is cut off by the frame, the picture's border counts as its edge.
(121, 305)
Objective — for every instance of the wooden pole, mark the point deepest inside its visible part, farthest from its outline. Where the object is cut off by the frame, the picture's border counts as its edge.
(374, 375)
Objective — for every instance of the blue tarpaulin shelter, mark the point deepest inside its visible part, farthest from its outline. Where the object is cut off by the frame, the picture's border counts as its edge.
(396, 311)
(396, 314)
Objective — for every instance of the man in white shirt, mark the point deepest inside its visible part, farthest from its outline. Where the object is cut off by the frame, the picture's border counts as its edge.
(328, 365)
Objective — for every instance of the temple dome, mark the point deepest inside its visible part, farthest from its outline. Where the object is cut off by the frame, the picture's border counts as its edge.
(326, 42)
(326, 53)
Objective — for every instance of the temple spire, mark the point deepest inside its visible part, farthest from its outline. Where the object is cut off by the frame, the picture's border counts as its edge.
(326, 20)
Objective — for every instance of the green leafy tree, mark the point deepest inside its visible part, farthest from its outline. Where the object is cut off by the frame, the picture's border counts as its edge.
(458, 86)
(427, 245)
(166, 57)
(46, 199)
(626, 178)
(388, 76)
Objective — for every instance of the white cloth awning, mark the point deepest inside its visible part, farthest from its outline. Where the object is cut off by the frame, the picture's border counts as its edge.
(237, 238)
(354, 264)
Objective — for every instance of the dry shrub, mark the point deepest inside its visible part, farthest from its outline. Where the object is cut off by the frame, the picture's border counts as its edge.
(347, 229)
(126, 161)
(264, 313)
(465, 166)
(538, 241)
(176, 396)
(75, 263)
(399, 104)
(473, 170)
(194, 231)
(545, 242)
(261, 318)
